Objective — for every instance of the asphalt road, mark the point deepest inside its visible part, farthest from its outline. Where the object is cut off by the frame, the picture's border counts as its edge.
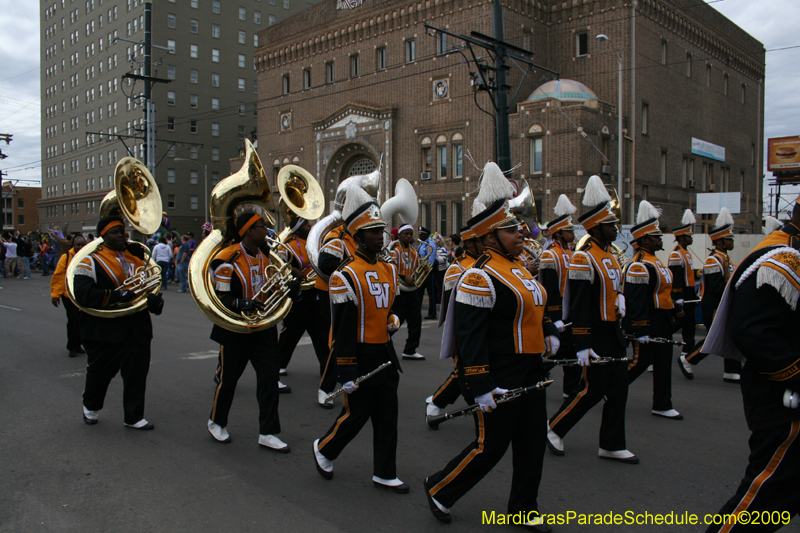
(62, 475)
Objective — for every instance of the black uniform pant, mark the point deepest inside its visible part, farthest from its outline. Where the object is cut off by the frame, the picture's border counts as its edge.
(572, 373)
(689, 325)
(408, 307)
(231, 365)
(131, 358)
(304, 316)
(607, 382)
(327, 365)
(73, 324)
(520, 423)
(769, 486)
(660, 356)
(449, 391)
(379, 404)
(730, 366)
(430, 287)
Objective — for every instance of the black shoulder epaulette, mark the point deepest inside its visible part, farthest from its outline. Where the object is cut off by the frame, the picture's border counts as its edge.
(586, 246)
(346, 261)
(482, 260)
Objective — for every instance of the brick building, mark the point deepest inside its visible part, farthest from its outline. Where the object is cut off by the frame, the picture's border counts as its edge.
(19, 208)
(342, 90)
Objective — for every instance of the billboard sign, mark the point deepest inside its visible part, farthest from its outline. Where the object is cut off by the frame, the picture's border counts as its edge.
(707, 149)
(713, 202)
(783, 154)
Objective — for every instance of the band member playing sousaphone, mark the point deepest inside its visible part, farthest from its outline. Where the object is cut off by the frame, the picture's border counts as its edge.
(362, 290)
(498, 327)
(239, 272)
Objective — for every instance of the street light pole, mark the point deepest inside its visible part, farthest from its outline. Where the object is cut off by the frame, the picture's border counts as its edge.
(604, 37)
(205, 183)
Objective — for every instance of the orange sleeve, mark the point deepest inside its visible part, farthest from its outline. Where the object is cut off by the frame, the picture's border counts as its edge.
(58, 286)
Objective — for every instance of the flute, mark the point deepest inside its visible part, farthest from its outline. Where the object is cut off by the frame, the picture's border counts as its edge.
(574, 362)
(357, 381)
(434, 421)
(659, 340)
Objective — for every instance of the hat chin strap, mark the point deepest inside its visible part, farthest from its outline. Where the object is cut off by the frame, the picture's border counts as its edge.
(500, 247)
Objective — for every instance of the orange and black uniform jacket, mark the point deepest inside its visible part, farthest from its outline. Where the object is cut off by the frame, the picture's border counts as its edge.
(405, 258)
(338, 245)
(648, 296)
(97, 278)
(716, 272)
(594, 282)
(299, 260)
(58, 285)
(362, 293)
(764, 318)
(500, 324)
(683, 280)
(553, 270)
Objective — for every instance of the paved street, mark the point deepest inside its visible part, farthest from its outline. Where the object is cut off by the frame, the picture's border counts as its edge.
(62, 475)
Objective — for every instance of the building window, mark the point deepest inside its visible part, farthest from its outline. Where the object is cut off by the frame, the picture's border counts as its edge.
(241, 84)
(744, 93)
(458, 216)
(752, 154)
(193, 126)
(726, 179)
(272, 20)
(193, 4)
(242, 108)
(411, 50)
(688, 65)
(170, 97)
(581, 44)
(215, 31)
(645, 192)
(427, 159)
(285, 80)
(170, 72)
(215, 79)
(329, 72)
(307, 78)
(194, 151)
(645, 118)
(241, 61)
(242, 13)
(193, 25)
(441, 152)
(257, 17)
(193, 101)
(193, 202)
(441, 43)
(193, 177)
(214, 177)
(255, 40)
(214, 55)
(215, 6)
(663, 168)
(380, 58)
(242, 37)
(21, 219)
(172, 22)
(458, 164)
(285, 4)
(663, 52)
(536, 155)
(354, 65)
(215, 104)
(171, 201)
(215, 129)
(426, 214)
(708, 75)
(170, 123)
(170, 175)
(193, 76)
(193, 53)
(725, 85)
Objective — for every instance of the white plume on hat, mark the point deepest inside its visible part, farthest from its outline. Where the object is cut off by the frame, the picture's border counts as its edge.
(723, 218)
(477, 208)
(771, 224)
(564, 206)
(356, 197)
(494, 185)
(688, 218)
(647, 211)
(595, 192)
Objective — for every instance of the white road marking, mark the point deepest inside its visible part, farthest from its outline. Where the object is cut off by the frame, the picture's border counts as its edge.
(73, 375)
(210, 354)
(12, 308)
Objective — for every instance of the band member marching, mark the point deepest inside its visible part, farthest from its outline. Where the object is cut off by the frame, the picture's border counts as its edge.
(303, 315)
(648, 293)
(239, 273)
(717, 271)
(120, 344)
(501, 331)
(757, 321)
(595, 306)
(683, 281)
(408, 304)
(553, 270)
(58, 292)
(362, 291)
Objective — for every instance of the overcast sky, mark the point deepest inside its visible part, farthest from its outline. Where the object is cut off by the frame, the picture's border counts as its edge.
(774, 22)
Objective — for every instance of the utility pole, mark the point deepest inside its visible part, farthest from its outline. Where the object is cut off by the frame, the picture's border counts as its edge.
(7, 137)
(149, 147)
(502, 129)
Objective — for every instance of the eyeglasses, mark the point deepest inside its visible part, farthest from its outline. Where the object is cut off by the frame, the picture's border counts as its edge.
(256, 227)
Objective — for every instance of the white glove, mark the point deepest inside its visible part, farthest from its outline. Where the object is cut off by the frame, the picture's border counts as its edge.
(584, 355)
(620, 305)
(350, 387)
(498, 391)
(552, 344)
(393, 323)
(791, 399)
(643, 340)
(679, 301)
(559, 324)
(486, 401)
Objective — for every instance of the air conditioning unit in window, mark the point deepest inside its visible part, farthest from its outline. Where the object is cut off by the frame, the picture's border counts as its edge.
(605, 169)
(425, 176)
(692, 184)
(712, 188)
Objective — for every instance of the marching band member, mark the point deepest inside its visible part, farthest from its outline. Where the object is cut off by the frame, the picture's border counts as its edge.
(238, 273)
(362, 291)
(408, 304)
(120, 344)
(553, 270)
(301, 317)
(426, 247)
(58, 291)
(498, 317)
(648, 293)
(595, 307)
(717, 271)
(683, 281)
(758, 318)
(450, 390)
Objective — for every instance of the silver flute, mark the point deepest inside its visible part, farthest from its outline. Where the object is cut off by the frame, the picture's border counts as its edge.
(357, 381)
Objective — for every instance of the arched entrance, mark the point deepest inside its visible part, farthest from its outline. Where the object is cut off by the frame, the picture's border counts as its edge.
(351, 159)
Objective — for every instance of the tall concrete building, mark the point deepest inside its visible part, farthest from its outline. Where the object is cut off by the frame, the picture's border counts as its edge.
(342, 89)
(204, 100)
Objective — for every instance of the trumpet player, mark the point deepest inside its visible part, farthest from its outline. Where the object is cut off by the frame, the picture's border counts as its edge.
(362, 291)
(119, 344)
(302, 316)
(239, 273)
(408, 304)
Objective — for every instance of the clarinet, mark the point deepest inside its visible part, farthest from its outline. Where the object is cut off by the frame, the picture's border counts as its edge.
(658, 340)
(357, 381)
(575, 362)
(513, 394)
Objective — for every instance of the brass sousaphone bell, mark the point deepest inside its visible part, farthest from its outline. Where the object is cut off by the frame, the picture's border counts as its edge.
(135, 198)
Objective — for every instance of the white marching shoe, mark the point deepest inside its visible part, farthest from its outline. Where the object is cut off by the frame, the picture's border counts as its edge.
(623, 456)
(555, 443)
(324, 465)
(730, 377)
(219, 433)
(271, 442)
(323, 401)
(685, 367)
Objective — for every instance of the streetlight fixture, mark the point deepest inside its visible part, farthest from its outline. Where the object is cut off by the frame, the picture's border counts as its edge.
(604, 37)
(205, 182)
